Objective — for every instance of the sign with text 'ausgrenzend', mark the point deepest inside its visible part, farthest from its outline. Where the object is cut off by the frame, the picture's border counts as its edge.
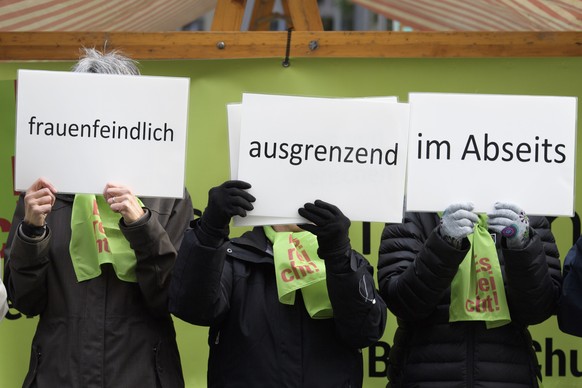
(348, 152)
(234, 123)
(82, 130)
(492, 148)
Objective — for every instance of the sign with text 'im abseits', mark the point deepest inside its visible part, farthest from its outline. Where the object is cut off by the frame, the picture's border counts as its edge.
(81, 130)
(492, 148)
(348, 152)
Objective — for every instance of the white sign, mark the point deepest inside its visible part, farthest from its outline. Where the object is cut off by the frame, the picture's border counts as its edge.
(492, 148)
(82, 130)
(348, 152)
(234, 113)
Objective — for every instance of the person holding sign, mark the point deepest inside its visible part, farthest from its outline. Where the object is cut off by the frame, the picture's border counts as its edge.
(570, 306)
(464, 288)
(96, 270)
(287, 305)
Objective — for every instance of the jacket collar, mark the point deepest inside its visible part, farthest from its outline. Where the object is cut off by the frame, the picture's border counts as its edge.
(252, 246)
(66, 197)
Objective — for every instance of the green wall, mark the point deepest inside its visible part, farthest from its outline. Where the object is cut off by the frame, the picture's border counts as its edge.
(214, 83)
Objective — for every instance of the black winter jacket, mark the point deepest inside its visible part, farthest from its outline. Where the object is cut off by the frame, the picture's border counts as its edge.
(102, 332)
(256, 341)
(415, 270)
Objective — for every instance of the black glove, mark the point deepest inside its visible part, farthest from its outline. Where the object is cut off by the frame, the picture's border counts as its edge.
(332, 231)
(225, 201)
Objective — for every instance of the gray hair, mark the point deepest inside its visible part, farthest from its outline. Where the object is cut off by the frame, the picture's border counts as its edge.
(112, 62)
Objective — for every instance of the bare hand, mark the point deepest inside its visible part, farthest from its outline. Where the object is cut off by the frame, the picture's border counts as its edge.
(121, 200)
(38, 202)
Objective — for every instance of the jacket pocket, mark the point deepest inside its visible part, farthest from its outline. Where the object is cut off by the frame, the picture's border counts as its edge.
(35, 358)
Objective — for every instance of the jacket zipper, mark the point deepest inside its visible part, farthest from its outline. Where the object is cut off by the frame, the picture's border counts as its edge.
(31, 376)
(470, 354)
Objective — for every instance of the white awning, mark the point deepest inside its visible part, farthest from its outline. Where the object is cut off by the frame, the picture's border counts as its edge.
(101, 15)
(481, 15)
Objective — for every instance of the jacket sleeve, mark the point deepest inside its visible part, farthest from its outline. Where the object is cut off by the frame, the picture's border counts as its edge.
(416, 266)
(201, 282)
(359, 311)
(155, 246)
(570, 304)
(26, 267)
(534, 279)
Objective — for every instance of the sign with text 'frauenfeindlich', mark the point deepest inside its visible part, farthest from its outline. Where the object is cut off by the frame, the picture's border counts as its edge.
(348, 152)
(81, 130)
(492, 148)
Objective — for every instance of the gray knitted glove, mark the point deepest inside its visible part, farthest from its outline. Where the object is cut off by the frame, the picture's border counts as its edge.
(457, 222)
(512, 222)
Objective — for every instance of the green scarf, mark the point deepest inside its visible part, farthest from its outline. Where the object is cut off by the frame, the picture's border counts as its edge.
(477, 290)
(299, 268)
(96, 240)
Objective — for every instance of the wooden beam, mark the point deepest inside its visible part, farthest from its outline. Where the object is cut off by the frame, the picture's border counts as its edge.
(228, 15)
(285, 7)
(304, 15)
(262, 15)
(23, 46)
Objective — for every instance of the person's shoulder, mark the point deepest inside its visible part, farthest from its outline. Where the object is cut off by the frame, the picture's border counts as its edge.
(161, 205)
(162, 202)
(421, 220)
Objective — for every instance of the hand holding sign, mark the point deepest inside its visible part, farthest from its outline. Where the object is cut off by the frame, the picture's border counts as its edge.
(331, 227)
(224, 202)
(122, 200)
(512, 222)
(457, 222)
(38, 202)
